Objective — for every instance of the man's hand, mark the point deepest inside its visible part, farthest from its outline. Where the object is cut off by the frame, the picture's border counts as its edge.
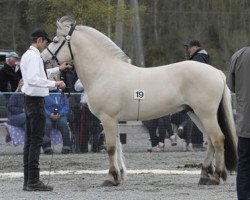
(64, 66)
(60, 84)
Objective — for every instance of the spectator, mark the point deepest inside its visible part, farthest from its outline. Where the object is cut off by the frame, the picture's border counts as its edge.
(36, 87)
(197, 53)
(16, 113)
(57, 109)
(184, 128)
(157, 143)
(238, 82)
(92, 126)
(10, 74)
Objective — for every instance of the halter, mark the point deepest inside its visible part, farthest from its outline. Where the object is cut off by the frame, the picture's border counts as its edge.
(67, 38)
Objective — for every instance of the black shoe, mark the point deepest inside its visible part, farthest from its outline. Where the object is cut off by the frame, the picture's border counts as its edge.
(48, 152)
(7, 138)
(66, 151)
(39, 186)
(24, 187)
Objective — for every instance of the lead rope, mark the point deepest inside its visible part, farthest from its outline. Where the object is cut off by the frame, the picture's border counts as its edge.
(51, 163)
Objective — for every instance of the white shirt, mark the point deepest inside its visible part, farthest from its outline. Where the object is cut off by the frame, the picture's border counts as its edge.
(79, 88)
(34, 77)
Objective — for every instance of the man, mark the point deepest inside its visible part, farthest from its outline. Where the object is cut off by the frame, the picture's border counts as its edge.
(57, 109)
(36, 87)
(238, 82)
(10, 74)
(197, 53)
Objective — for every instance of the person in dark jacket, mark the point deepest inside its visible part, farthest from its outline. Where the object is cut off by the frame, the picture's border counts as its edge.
(238, 82)
(15, 107)
(10, 74)
(197, 53)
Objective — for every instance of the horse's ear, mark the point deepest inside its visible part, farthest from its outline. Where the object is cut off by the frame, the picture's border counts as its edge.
(58, 24)
(66, 21)
(64, 24)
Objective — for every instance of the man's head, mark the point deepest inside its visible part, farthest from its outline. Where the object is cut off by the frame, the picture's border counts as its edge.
(12, 58)
(40, 39)
(193, 46)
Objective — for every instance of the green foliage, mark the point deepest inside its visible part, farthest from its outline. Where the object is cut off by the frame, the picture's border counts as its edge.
(88, 12)
(222, 26)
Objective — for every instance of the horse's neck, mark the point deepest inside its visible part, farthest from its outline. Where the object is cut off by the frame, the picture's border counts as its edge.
(92, 61)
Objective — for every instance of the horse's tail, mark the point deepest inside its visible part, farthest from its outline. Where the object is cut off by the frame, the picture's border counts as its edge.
(227, 125)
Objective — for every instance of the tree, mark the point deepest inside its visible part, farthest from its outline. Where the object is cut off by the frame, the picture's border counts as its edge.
(137, 36)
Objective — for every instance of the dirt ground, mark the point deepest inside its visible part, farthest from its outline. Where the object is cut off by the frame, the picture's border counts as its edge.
(168, 175)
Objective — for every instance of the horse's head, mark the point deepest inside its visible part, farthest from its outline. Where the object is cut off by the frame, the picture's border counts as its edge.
(60, 49)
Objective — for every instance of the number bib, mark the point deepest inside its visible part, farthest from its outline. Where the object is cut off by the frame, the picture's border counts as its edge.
(139, 94)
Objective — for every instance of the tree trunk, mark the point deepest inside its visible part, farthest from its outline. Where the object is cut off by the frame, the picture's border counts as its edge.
(119, 23)
(137, 34)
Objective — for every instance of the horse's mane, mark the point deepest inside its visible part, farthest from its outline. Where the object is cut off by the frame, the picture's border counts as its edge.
(107, 42)
(66, 22)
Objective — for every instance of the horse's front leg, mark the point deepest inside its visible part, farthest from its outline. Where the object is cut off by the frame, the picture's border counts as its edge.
(111, 130)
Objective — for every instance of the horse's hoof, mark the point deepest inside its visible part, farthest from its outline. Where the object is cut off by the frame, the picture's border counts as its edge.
(213, 181)
(108, 183)
(203, 181)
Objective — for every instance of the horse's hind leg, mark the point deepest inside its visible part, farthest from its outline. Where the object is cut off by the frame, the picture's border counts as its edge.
(111, 129)
(217, 141)
(207, 168)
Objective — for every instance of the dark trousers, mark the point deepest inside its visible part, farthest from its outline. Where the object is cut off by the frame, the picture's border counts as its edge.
(163, 124)
(62, 125)
(90, 129)
(182, 119)
(243, 171)
(93, 129)
(35, 128)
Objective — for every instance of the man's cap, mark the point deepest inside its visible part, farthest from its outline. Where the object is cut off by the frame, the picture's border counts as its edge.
(39, 32)
(12, 54)
(193, 43)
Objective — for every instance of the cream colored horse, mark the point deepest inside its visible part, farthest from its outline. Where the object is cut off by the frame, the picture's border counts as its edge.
(119, 91)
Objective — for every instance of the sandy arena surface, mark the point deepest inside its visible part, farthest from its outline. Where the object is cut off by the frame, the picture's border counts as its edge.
(167, 175)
